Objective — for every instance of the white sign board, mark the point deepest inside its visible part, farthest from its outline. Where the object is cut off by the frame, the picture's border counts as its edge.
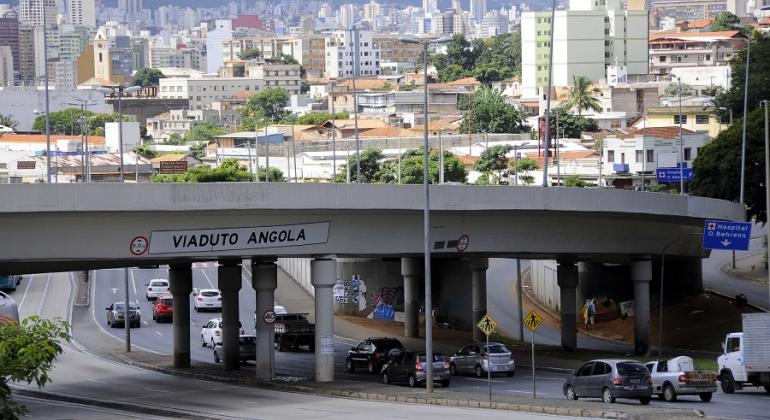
(327, 344)
(241, 238)
(667, 160)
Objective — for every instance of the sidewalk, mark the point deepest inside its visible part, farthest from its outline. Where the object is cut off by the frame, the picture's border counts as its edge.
(748, 267)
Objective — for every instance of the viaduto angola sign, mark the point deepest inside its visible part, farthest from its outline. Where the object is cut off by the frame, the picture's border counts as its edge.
(241, 238)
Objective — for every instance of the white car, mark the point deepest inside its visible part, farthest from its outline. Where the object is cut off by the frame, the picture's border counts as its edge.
(9, 311)
(207, 299)
(211, 333)
(156, 287)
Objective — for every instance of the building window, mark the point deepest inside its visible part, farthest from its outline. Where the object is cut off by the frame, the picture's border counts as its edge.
(680, 119)
(688, 153)
(638, 156)
(662, 58)
(610, 156)
(701, 119)
(650, 156)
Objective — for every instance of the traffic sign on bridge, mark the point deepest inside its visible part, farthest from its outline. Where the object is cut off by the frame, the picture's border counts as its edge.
(726, 235)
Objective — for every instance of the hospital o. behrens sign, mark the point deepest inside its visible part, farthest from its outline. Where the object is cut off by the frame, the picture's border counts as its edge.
(241, 238)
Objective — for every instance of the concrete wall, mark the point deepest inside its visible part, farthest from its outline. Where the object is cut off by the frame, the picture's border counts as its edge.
(543, 280)
(299, 270)
(370, 285)
(143, 108)
(452, 291)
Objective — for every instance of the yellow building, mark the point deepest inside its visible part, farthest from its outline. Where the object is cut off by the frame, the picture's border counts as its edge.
(694, 118)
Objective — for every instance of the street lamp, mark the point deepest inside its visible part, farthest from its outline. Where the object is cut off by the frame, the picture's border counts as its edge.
(766, 103)
(85, 161)
(745, 111)
(681, 144)
(45, 76)
(121, 91)
(334, 131)
(426, 209)
(548, 97)
(730, 110)
(356, 53)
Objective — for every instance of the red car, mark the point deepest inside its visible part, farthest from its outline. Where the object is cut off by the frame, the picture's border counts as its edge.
(163, 309)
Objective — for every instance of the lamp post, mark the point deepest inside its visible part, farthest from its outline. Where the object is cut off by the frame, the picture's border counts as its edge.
(334, 131)
(548, 97)
(426, 212)
(356, 53)
(45, 76)
(745, 112)
(681, 144)
(766, 103)
(85, 160)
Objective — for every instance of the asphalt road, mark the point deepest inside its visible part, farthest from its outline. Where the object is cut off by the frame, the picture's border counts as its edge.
(78, 373)
(714, 277)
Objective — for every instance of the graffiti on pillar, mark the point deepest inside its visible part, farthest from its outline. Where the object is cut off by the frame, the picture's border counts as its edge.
(358, 292)
(391, 296)
(383, 311)
(339, 292)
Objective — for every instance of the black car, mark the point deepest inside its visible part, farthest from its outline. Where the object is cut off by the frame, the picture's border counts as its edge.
(371, 353)
(410, 367)
(609, 379)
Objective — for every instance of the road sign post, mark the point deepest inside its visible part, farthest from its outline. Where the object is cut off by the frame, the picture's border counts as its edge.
(532, 321)
(718, 234)
(487, 325)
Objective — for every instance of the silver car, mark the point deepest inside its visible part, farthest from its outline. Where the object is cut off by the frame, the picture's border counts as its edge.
(475, 359)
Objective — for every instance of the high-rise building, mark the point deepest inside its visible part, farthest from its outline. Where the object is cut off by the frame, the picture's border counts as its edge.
(130, 7)
(6, 66)
(9, 36)
(27, 54)
(347, 15)
(456, 6)
(371, 10)
(82, 12)
(430, 6)
(31, 12)
(588, 37)
(478, 9)
(349, 50)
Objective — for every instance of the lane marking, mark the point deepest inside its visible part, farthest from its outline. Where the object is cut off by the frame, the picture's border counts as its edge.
(207, 278)
(44, 295)
(484, 380)
(24, 296)
(156, 390)
(145, 323)
(527, 392)
(159, 333)
(97, 382)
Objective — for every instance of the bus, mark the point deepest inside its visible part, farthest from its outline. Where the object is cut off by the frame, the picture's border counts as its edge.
(9, 283)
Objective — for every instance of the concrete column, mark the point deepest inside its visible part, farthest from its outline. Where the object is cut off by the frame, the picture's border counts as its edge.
(264, 279)
(641, 275)
(229, 274)
(479, 293)
(412, 271)
(180, 286)
(567, 278)
(323, 273)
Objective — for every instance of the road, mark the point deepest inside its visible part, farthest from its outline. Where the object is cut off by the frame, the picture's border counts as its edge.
(80, 374)
(714, 277)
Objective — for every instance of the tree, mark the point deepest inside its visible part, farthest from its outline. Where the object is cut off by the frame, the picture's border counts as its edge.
(581, 95)
(503, 50)
(412, 168)
(145, 152)
(492, 114)
(571, 125)
(759, 76)
(198, 149)
(203, 132)
(283, 59)
(147, 77)
(725, 21)
(175, 138)
(575, 181)
(453, 72)
(229, 170)
(8, 121)
(715, 90)
(270, 103)
(522, 168)
(27, 353)
(491, 72)
(250, 54)
(672, 89)
(494, 161)
(67, 122)
(716, 170)
(370, 167)
(317, 118)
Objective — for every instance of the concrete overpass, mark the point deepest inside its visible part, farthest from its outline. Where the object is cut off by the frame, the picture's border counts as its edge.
(74, 227)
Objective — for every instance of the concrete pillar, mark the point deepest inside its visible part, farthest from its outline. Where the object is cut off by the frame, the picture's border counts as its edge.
(641, 275)
(412, 271)
(567, 278)
(229, 274)
(180, 286)
(264, 279)
(479, 293)
(323, 273)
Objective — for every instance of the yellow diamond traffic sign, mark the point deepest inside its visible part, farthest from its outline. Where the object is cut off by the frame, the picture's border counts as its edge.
(487, 324)
(533, 320)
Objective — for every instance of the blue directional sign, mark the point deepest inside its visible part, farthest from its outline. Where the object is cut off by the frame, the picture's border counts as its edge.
(673, 174)
(726, 235)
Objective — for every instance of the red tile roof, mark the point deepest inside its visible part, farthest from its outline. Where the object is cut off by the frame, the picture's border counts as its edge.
(671, 132)
(693, 35)
(40, 138)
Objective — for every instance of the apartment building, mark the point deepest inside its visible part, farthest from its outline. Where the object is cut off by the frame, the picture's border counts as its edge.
(588, 37)
(669, 51)
(310, 52)
(394, 51)
(286, 76)
(349, 50)
(178, 121)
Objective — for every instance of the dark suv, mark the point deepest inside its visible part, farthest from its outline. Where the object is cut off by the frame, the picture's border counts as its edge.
(410, 367)
(372, 353)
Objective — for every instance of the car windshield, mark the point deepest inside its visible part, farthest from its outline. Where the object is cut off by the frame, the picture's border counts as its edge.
(131, 307)
(630, 368)
(159, 283)
(248, 340)
(166, 301)
(498, 349)
(386, 344)
(209, 294)
(437, 357)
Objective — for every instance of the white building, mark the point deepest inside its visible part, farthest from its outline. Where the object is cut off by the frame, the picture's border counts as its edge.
(222, 30)
(590, 36)
(82, 12)
(371, 10)
(478, 9)
(203, 91)
(430, 6)
(6, 66)
(348, 49)
(31, 12)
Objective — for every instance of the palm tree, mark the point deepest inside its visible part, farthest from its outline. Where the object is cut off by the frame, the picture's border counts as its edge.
(581, 95)
(8, 121)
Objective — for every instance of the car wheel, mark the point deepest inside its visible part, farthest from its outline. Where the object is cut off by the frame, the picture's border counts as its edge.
(138, 324)
(570, 393)
(479, 371)
(349, 365)
(645, 400)
(607, 396)
(669, 394)
(386, 378)
(727, 383)
(203, 341)
(371, 368)
(153, 317)
(212, 342)
(452, 369)
(412, 381)
(445, 383)
(216, 357)
(705, 396)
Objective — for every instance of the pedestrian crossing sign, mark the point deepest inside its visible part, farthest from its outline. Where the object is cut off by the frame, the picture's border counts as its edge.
(487, 324)
(533, 320)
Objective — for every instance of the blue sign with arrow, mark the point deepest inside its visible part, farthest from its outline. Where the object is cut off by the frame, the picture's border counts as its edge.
(673, 174)
(718, 234)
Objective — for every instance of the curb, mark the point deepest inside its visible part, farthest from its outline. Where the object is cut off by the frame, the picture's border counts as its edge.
(448, 402)
(728, 297)
(725, 269)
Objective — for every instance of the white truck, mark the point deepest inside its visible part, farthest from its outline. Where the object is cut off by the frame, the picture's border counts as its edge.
(675, 377)
(746, 358)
